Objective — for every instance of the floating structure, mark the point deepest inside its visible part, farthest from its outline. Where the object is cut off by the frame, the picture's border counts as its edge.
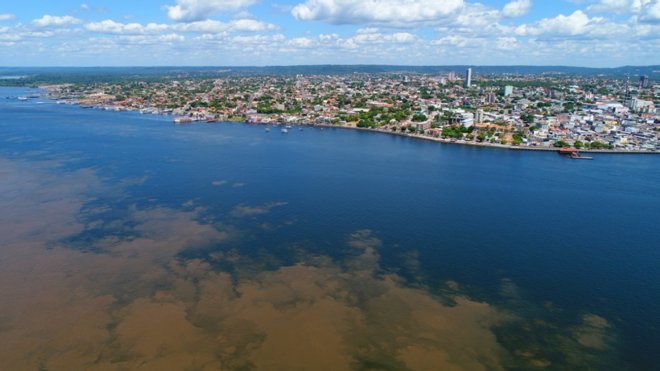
(573, 153)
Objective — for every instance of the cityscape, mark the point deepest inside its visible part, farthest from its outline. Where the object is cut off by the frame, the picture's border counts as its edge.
(532, 112)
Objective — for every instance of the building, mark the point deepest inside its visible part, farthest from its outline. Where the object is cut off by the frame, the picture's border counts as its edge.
(508, 90)
(491, 98)
(467, 119)
(479, 117)
(642, 106)
(643, 82)
(468, 78)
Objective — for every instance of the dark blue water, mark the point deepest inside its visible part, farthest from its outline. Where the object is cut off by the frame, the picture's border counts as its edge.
(581, 236)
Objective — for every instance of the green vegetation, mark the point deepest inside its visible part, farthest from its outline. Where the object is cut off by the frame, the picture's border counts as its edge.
(599, 145)
(455, 131)
(419, 117)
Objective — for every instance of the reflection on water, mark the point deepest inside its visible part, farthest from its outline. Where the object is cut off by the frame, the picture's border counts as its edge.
(82, 287)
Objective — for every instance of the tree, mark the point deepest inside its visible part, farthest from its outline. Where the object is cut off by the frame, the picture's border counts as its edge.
(516, 139)
(527, 118)
(419, 117)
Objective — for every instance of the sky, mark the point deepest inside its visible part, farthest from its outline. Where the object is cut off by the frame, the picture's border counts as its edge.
(592, 33)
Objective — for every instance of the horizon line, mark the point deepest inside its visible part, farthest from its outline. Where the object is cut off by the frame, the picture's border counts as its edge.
(332, 65)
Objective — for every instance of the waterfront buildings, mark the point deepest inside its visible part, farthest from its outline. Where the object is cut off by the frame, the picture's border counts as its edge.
(546, 110)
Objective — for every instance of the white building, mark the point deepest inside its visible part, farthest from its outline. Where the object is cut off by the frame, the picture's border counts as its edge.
(640, 105)
(479, 117)
(508, 90)
(467, 119)
(468, 78)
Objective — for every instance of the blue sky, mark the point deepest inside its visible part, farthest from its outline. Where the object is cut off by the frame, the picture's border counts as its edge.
(253, 32)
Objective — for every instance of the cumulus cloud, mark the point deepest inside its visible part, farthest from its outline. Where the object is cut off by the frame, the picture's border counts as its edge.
(396, 12)
(517, 8)
(197, 10)
(6, 17)
(574, 24)
(651, 12)
(51, 20)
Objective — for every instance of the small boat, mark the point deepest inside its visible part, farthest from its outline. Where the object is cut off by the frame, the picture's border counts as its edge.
(267, 130)
(288, 126)
(22, 99)
(284, 131)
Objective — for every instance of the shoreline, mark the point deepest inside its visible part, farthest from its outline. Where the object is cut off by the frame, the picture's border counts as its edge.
(421, 137)
(488, 145)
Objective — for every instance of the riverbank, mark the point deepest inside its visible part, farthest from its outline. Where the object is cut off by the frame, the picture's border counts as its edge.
(51, 90)
(489, 145)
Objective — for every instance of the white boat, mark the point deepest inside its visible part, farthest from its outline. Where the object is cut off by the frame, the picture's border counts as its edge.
(284, 131)
(23, 99)
(267, 130)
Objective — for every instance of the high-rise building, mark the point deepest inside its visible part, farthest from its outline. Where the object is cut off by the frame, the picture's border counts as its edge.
(479, 117)
(468, 78)
(508, 90)
(490, 98)
(643, 82)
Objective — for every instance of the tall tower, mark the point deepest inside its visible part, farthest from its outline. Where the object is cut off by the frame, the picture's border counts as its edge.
(468, 78)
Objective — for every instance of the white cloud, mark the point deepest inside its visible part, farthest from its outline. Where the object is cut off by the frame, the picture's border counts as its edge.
(475, 19)
(50, 20)
(615, 6)
(302, 42)
(506, 43)
(211, 26)
(151, 40)
(517, 8)
(394, 12)
(197, 10)
(7, 17)
(574, 24)
(251, 25)
(651, 12)
(208, 27)
(110, 26)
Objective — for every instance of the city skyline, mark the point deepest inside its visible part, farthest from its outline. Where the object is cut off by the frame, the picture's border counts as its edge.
(598, 33)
